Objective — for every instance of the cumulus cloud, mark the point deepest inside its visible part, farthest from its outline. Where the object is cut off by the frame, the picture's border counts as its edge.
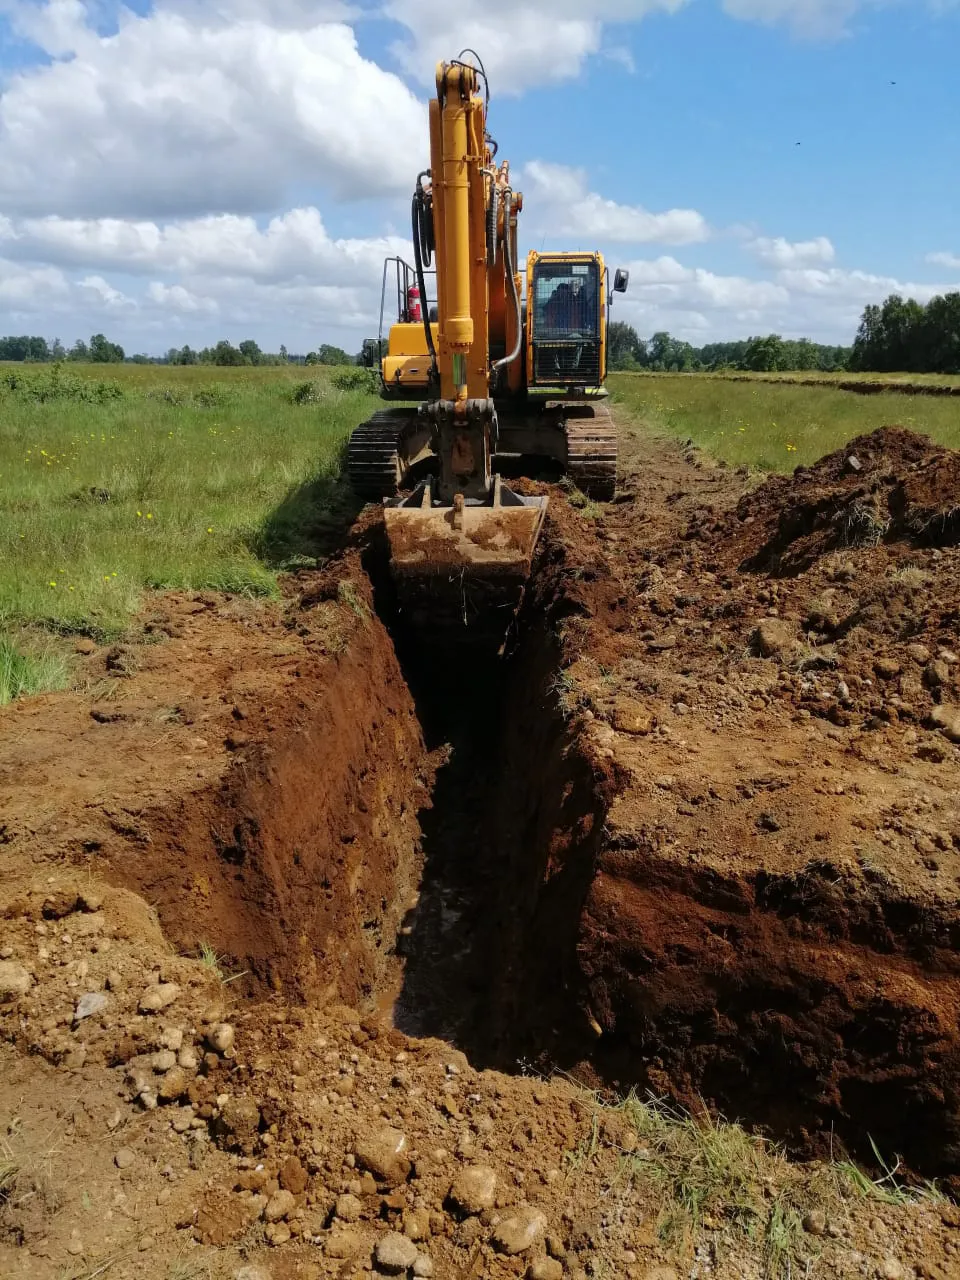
(173, 117)
(779, 252)
(534, 40)
(699, 305)
(812, 19)
(558, 202)
(293, 245)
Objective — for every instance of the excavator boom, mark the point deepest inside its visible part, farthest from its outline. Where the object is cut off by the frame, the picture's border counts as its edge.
(491, 383)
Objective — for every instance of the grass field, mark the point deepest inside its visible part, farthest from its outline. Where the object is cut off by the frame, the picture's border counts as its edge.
(116, 480)
(774, 426)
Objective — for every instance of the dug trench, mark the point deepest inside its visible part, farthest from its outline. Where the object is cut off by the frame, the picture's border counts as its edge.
(694, 832)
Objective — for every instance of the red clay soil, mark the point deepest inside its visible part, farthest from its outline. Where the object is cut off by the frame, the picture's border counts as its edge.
(254, 774)
(769, 920)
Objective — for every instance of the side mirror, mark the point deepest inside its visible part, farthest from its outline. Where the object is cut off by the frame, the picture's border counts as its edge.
(620, 280)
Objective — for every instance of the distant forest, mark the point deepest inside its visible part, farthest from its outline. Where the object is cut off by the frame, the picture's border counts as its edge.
(896, 337)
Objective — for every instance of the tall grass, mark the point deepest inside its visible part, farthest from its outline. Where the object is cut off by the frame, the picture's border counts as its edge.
(192, 478)
(30, 667)
(775, 426)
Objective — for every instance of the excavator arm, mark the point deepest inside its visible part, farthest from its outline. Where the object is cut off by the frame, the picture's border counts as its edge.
(462, 544)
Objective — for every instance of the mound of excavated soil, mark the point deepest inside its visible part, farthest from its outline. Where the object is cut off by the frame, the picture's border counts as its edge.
(697, 833)
(888, 486)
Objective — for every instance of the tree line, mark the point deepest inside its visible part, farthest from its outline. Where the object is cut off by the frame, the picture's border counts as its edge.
(626, 350)
(99, 350)
(897, 336)
(909, 337)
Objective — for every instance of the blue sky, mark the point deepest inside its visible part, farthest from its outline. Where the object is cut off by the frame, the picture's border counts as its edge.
(193, 169)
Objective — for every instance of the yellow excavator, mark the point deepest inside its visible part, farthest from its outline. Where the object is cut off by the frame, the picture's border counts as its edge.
(499, 373)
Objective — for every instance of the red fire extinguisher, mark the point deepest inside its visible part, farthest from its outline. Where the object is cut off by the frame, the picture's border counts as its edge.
(413, 304)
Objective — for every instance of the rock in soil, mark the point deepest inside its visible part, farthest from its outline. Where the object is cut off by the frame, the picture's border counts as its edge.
(381, 1153)
(395, 1254)
(520, 1231)
(474, 1189)
(14, 981)
(159, 997)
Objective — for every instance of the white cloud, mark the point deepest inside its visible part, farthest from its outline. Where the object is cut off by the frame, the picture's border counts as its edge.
(699, 305)
(950, 260)
(810, 19)
(782, 253)
(292, 246)
(177, 298)
(532, 41)
(558, 202)
(171, 116)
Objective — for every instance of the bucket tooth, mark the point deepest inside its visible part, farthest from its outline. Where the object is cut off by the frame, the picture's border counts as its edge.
(460, 570)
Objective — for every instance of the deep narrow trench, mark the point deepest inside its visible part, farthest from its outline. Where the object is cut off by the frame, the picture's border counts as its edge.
(448, 938)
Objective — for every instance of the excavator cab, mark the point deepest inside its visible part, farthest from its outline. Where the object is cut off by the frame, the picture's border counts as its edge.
(565, 337)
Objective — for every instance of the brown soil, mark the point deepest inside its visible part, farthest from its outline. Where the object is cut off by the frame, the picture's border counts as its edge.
(695, 832)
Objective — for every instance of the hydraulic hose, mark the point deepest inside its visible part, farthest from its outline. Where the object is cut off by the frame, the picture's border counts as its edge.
(511, 276)
(421, 246)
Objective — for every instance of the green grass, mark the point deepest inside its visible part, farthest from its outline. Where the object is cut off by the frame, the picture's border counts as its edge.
(30, 666)
(711, 1175)
(774, 426)
(159, 477)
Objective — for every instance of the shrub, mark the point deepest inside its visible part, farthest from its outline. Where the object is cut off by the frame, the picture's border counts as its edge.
(355, 379)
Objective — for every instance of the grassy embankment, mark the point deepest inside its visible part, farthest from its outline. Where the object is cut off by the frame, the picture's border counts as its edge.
(774, 426)
(118, 479)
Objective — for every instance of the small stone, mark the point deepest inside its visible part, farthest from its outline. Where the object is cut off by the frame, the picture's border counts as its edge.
(124, 1158)
(631, 716)
(75, 1244)
(277, 1233)
(395, 1254)
(947, 718)
(174, 1085)
(416, 1224)
(220, 1037)
(164, 1196)
(160, 996)
(918, 653)
(520, 1231)
(89, 1004)
(382, 1154)
(343, 1244)
(171, 1038)
(772, 637)
(815, 1222)
(545, 1269)
(661, 1273)
(891, 1269)
(187, 1058)
(936, 674)
(474, 1189)
(293, 1176)
(14, 981)
(886, 668)
(163, 1061)
(423, 1266)
(90, 900)
(348, 1208)
(280, 1204)
(252, 1273)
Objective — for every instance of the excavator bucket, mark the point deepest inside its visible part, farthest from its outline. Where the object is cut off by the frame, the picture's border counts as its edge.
(460, 570)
